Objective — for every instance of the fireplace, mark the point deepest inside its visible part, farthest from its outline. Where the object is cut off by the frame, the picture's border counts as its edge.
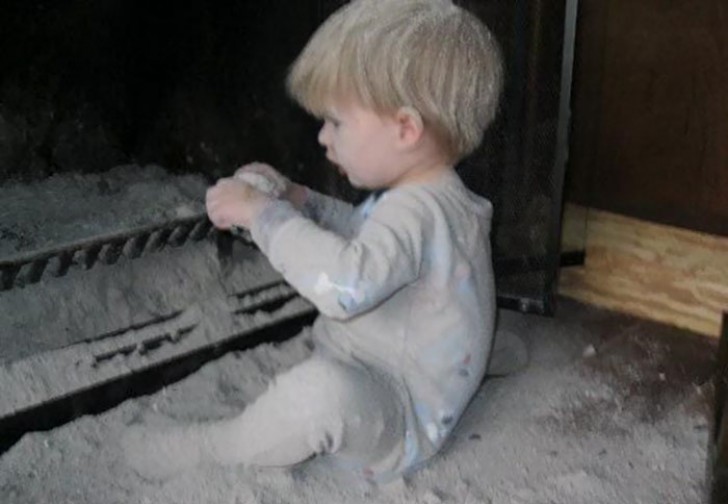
(116, 114)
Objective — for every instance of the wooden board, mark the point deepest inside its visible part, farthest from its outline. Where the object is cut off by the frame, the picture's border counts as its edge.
(654, 271)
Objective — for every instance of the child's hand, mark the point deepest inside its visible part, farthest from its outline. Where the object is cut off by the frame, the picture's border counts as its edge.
(275, 183)
(232, 202)
(284, 187)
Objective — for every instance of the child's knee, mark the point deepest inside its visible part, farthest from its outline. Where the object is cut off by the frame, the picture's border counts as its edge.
(345, 410)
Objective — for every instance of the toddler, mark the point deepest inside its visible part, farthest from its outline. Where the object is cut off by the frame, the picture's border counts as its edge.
(403, 282)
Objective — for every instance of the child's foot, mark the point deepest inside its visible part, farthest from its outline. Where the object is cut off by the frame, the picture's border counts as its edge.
(159, 453)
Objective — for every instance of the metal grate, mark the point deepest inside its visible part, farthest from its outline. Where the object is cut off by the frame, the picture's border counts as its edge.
(29, 268)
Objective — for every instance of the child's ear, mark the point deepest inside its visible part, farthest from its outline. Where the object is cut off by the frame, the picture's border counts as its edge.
(411, 127)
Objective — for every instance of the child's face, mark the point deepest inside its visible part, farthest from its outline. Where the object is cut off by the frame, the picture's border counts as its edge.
(363, 144)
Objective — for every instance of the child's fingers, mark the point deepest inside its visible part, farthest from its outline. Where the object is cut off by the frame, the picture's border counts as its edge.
(229, 202)
(231, 188)
(214, 207)
(216, 214)
(256, 167)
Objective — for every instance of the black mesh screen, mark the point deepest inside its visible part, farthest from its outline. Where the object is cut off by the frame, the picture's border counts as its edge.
(520, 165)
(198, 87)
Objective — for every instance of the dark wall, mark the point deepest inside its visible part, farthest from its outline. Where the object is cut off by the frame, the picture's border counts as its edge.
(650, 131)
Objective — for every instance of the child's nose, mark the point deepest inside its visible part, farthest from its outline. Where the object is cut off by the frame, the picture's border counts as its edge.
(323, 136)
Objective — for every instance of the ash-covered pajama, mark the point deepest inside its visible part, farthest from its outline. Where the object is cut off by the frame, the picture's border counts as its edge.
(404, 286)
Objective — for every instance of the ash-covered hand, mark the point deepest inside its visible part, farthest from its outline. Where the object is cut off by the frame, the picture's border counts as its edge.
(233, 202)
(264, 177)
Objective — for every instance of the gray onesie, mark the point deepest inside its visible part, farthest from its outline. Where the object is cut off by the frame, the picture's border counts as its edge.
(405, 290)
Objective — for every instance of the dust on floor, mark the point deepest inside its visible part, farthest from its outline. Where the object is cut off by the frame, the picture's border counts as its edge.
(611, 409)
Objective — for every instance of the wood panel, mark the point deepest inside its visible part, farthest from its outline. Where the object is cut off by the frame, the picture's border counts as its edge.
(650, 270)
(651, 112)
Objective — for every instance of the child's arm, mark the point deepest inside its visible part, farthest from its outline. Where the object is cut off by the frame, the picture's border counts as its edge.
(331, 213)
(344, 277)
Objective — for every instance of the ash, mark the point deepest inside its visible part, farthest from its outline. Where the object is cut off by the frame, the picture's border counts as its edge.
(610, 409)
(68, 207)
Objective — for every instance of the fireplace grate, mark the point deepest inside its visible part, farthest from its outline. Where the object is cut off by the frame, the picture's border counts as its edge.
(31, 267)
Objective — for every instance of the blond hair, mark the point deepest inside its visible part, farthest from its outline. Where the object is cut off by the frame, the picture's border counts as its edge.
(430, 55)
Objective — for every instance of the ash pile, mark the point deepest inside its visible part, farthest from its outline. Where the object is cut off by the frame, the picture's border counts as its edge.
(107, 275)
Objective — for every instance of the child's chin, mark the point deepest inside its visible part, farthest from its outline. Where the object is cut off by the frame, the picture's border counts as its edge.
(358, 184)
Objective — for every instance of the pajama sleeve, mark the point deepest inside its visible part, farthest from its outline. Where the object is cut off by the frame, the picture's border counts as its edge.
(344, 277)
(330, 213)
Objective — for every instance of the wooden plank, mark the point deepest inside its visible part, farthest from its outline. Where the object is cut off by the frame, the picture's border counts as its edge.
(653, 271)
(635, 297)
(699, 255)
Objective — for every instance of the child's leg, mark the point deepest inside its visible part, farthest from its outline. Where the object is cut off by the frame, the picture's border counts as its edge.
(317, 407)
(163, 450)
(320, 406)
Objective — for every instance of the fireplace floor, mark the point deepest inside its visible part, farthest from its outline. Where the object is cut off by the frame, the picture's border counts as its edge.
(610, 409)
(69, 207)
